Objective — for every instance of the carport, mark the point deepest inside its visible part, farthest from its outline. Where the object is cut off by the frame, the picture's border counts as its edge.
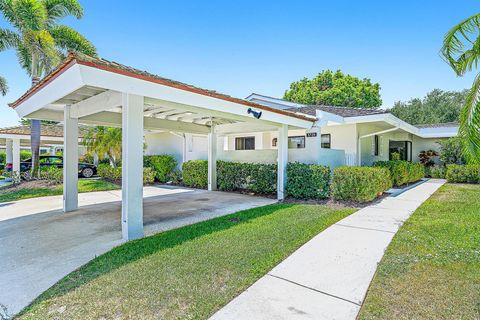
(94, 91)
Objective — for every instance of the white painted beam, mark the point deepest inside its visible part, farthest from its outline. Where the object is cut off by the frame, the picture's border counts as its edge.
(282, 144)
(132, 166)
(101, 102)
(70, 162)
(212, 159)
(16, 155)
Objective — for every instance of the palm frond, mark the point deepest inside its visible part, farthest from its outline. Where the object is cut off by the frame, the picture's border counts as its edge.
(3, 86)
(30, 14)
(6, 8)
(69, 39)
(459, 50)
(24, 58)
(8, 39)
(470, 123)
(57, 9)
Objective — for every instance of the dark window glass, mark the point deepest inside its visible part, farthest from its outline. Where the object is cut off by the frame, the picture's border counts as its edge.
(296, 142)
(376, 145)
(326, 141)
(245, 143)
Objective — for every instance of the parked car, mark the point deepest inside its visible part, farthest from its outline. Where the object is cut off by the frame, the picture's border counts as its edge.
(85, 170)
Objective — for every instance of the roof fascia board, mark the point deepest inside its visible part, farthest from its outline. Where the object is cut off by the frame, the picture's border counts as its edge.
(255, 96)
(123, 83)
(58, 87)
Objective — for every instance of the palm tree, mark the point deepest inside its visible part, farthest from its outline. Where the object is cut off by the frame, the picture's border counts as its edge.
(106, 142)
(41, 42)
(3, 86)
(461, 50)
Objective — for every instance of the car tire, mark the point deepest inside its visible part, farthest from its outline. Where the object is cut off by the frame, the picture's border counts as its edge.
(87, 172)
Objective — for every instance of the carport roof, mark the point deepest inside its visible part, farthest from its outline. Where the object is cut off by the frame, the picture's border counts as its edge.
(111, 66)
(46, 130)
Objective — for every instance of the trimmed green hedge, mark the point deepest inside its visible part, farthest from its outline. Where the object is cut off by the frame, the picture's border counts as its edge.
(437, 172)
(110, 173)
(463, 173)
(163, 166)
(361, 184)
(195, 173)
(255, 177)
(402, 172)
(307, 181)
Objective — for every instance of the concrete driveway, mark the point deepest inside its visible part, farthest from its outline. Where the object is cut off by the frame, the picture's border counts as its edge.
(39, 244)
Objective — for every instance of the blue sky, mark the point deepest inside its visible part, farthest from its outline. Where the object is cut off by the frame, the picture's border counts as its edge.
(239, 47)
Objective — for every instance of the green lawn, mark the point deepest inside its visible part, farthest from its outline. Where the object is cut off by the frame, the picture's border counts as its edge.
(83, 186)
(431, 270)
(186, 273)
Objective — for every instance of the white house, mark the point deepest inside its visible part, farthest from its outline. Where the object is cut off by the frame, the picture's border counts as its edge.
(340, 136)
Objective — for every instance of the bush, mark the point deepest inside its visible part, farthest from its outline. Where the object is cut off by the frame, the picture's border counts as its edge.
(463, 173)
(427, 157)
(437, 172)
(3, 158)
(307, 181)
(114, 174)
(359, 184)
(52, 174)
(255, 177)
(148, 175)
(402, 172)
(195, 173)
(24, 155)
(451, 151)
(163, 166)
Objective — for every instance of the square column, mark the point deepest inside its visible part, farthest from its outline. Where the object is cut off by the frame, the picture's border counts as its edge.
(212, 159)
(9, 154)
(16, 155)
(132, 166)
(70, 161)
(282, 161)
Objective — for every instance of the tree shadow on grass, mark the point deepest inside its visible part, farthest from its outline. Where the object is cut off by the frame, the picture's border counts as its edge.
(138, 249)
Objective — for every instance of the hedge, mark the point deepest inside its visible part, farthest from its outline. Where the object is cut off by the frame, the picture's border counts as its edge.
(361, 184)
(437, 172)
(402, 172)
(307, 181)
(163, 165)
(255, 177)
(463, 173)
(114, 174)
(52, 174)
(195, 173)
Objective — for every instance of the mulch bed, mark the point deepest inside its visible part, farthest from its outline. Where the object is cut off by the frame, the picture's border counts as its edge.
(34, 184)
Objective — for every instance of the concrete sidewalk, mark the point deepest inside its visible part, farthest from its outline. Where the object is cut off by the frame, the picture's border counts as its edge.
(328, 277)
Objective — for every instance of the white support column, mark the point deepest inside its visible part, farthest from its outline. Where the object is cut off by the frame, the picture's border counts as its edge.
(16, 155)
(212, 159)
(132, 166)
(9, 155)
(282, 144)
(70, 161)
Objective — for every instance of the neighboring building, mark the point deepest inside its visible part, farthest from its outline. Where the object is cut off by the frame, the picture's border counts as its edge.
(341, 136)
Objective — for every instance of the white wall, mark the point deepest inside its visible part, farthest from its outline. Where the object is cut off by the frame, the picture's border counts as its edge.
(421, 144)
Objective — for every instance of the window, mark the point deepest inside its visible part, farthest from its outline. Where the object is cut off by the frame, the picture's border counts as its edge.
(326, 141)
(404, 148)
(245, 143)
(376, 145)
(296, 142)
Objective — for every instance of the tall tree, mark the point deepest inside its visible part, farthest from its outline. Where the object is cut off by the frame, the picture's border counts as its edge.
(437, 106)
(3, 86)
(41, 42)
(335, 89)
(105, 142)
(461, 50)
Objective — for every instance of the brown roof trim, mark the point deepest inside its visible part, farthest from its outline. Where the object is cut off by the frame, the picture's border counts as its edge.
(77, 59)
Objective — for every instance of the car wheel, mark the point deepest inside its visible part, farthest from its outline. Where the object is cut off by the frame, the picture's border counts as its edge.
(87, 172)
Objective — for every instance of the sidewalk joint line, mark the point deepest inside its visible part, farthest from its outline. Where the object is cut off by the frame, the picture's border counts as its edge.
(313, 289)
(371, 229)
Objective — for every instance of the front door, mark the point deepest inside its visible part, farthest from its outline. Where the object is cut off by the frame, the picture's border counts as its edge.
(404, 148)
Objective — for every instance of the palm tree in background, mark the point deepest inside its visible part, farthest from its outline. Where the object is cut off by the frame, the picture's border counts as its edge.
(106, 142)
(41, 43)
(461, 49)
(3, 86)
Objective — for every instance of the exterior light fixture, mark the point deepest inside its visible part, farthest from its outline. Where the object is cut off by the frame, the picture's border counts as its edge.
(256, 114)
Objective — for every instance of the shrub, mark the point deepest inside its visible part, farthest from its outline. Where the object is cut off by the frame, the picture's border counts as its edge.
(3, 158)
(452, 151)
(437, 172)
(109, 173)
(307, 181)
(195, 173)
(402, 172)
(52, 174)
(359, 184)
(148, 175)
(24, 155)
(86, 158)
(255, 177)
(163, 166)
(463, 173)
(427, 157)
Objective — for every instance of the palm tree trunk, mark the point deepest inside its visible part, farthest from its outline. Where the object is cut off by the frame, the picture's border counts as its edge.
(35, 128)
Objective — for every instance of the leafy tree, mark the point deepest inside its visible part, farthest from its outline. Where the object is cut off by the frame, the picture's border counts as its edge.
(437, 106)
(461, 50)
(106, 142)
(451, 151)
(41, 43)
(335, 89)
